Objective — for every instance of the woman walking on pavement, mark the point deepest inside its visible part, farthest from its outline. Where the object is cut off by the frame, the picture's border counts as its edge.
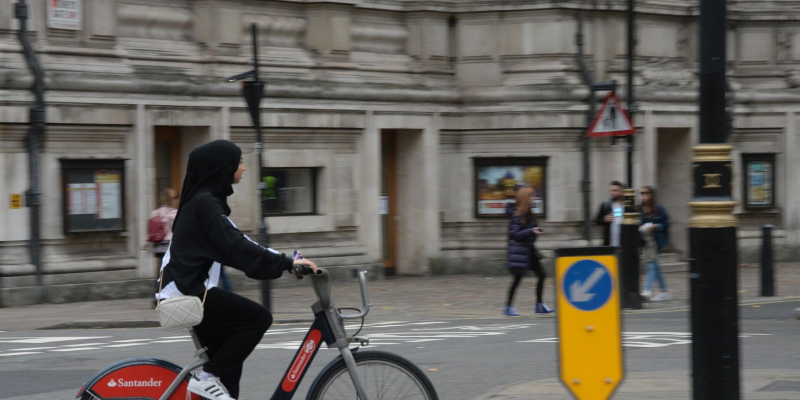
(204, 238)
(655, 230)
(166, 216)
(522, 255)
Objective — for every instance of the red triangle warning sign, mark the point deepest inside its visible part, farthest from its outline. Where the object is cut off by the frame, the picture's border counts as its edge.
(612, 120)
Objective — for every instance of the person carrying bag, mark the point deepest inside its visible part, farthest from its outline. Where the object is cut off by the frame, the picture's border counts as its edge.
(205, 238)
(523, 256)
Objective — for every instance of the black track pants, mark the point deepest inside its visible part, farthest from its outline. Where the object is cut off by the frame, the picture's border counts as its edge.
(232, 327)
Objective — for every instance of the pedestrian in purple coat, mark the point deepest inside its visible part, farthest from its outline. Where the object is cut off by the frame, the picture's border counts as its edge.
(522, 255)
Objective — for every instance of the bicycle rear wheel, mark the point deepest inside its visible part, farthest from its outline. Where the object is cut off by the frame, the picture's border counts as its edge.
(384, 375)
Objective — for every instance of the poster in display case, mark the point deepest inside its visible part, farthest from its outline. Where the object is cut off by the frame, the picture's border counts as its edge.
(759, 180)
(94, 195)
(497, 180)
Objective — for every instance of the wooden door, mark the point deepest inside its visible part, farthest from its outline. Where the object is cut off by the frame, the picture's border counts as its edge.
(388, 206)
(167, 160)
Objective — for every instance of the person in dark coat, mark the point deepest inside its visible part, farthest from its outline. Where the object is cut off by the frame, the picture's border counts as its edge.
(204, 238)
(655, 230)
(522, 255)
(610, 215)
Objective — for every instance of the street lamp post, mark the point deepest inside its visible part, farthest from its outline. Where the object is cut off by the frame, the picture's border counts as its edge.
(712, 228)
(253, 92)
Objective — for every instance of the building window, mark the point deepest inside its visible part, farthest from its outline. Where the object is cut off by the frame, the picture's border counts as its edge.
(289, 191)
(93, 193)
(759, 180)
(497, 179)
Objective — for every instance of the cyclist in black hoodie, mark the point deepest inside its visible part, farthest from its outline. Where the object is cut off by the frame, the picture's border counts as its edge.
(204, 239)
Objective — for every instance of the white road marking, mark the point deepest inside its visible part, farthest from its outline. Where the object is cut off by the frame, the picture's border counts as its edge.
(24, 353)
(78, 349)
(171, 341)
(40, 340)
(33, 348)
(649, 339)
(417, 332)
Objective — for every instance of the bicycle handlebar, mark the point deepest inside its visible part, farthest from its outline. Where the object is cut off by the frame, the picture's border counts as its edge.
(302, 270)
(321, 283)
(362, 281)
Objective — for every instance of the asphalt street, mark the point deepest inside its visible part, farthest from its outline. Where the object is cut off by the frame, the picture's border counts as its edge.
(465, 358)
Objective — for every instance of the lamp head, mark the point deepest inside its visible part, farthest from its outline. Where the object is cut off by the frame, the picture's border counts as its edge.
(246, 75)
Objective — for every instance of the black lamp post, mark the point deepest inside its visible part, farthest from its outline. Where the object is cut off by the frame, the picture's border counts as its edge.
(253, 92)
(712, 228)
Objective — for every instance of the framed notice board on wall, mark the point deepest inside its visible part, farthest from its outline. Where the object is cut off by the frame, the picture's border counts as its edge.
(497, 181)
(93, 192)
(759, 180)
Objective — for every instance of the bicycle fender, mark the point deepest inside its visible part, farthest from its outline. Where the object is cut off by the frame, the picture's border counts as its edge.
(140, 378)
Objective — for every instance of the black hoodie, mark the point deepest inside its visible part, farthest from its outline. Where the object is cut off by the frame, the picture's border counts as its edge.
(203, 235)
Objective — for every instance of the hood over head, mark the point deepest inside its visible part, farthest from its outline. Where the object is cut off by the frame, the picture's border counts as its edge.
(211, 168)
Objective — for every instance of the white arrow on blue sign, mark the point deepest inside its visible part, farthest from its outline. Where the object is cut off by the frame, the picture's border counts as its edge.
(587, 285)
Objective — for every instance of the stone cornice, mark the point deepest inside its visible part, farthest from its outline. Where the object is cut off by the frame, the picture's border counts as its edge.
(364, 92)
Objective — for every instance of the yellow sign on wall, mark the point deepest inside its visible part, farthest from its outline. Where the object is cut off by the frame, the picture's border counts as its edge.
(16, 201)
(589, 321)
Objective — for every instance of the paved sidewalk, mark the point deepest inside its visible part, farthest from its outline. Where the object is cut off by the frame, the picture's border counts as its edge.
(662, 385)
(451, 297)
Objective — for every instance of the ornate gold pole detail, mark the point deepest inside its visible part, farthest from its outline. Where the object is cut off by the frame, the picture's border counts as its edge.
(713, 204)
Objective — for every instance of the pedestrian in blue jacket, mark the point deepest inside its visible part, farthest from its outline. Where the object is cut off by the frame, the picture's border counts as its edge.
(655, 231)
(522, 255)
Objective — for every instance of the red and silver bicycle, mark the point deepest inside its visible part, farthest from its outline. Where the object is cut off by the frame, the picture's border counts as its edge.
(355, 374)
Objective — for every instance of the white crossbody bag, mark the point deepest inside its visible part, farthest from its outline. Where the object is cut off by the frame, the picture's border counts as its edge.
(179, 312)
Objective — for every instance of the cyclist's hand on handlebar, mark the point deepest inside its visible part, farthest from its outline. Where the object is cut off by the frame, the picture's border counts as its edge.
(303, 267)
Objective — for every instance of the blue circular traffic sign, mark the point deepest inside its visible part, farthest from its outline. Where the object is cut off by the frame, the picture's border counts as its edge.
(587, 285)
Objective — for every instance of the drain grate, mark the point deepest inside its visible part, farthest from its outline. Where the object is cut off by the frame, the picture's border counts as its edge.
(782, 386)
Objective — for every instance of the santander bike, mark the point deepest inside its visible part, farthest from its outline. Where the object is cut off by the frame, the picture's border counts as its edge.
(354, 375)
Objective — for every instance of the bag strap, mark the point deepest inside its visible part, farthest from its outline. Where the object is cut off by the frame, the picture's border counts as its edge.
(161, 285)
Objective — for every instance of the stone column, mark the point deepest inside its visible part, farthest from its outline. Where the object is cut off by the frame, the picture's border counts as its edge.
(143, 174)
(648, 153)
(433, 218)
(791, 193)
(369, 186)
(222, 130)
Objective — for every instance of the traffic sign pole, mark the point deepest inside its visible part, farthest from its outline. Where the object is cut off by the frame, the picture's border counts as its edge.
(589, 321)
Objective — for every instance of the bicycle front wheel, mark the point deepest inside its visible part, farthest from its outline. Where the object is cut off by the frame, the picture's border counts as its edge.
(384, 375)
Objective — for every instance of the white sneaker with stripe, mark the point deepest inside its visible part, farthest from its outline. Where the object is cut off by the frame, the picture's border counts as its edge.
(209, 388)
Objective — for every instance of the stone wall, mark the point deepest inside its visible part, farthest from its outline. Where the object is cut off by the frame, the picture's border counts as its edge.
(458, 79)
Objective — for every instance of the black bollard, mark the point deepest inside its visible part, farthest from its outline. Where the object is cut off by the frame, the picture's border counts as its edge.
(629, 239)
(767, 270)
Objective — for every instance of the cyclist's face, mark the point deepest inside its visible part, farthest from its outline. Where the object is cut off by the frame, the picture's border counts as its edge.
(238, 175)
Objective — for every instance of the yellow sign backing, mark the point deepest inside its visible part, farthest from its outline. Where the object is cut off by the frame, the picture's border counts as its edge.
(589, 322)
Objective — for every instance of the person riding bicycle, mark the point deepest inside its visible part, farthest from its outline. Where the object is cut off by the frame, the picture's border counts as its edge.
(204, 238)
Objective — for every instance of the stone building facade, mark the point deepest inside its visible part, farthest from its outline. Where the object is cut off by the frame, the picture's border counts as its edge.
(373, 98)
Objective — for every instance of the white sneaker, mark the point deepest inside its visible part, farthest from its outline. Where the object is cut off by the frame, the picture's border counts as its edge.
(209, 388)
(647, 294)
(663, 296)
